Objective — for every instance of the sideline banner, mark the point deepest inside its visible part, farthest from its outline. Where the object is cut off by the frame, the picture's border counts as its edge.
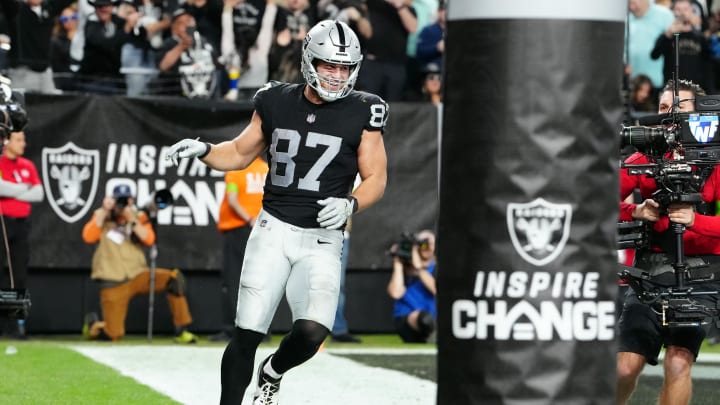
(528, 202)
(84, 145)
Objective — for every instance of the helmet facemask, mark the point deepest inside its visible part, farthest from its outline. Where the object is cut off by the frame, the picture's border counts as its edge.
(331, 42)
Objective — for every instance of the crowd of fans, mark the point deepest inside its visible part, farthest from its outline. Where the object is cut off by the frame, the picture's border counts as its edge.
(212, 48)
(652, 31)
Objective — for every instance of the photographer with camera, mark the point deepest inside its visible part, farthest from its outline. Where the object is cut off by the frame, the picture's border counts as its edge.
(642, 332)
(412, 286)
(121, 231)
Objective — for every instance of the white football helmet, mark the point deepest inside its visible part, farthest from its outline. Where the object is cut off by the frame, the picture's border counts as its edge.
(333, 42)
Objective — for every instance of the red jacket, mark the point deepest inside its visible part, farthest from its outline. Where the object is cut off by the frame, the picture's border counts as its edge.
(700, 239)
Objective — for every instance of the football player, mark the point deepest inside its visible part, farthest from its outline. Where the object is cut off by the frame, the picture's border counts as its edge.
(317, 135)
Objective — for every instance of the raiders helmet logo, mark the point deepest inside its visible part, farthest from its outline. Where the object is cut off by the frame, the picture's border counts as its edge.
(70, 178)
(539, 229)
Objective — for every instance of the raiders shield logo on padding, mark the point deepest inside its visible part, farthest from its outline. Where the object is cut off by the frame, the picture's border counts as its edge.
(70, 178)
(539, 229)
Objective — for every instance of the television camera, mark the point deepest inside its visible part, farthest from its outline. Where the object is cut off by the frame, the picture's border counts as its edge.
(14, 302)
(402, 249)
(682, 150)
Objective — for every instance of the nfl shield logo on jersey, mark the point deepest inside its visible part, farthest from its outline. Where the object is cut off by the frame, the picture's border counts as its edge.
(70, 178)
(539, 229)
(310, 118)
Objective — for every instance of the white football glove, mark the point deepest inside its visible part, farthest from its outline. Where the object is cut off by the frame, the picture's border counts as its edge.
(335, 212)
(187, 148)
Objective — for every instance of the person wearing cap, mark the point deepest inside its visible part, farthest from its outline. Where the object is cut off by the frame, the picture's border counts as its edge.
(19, 187)
(432, 83)
(121, 231)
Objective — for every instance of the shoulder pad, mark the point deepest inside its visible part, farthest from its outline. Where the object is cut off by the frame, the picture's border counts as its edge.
(268, 85)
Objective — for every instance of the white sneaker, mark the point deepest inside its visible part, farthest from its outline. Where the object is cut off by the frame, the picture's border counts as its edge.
(268, 388)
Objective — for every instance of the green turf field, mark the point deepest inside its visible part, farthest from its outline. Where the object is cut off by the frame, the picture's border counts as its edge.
(44, 371)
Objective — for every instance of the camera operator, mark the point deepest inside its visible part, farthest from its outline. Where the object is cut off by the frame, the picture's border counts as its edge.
(641, 332)
(412, 286)
(120, 267)
(19, 187)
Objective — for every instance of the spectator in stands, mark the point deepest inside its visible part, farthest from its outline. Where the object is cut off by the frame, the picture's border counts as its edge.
(187, 60)
(432, 83)
(431, 40)
(119, 266)
(207, 18)
(238, 211)
(384, 66)
(271, 24)
(4, 39)
(642, 96)
(713, 34)
(240, 24)
(283, 58)
(351, 12)
(105, 35)
(693, 49)
(426, 14)
(77, 45)
(137, 60)
(60, 61)
(31, 23)
(412, 286)
(646, 22)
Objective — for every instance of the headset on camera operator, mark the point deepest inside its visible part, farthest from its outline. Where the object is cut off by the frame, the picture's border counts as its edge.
(121, 230)
(643, 327)
(412, 286)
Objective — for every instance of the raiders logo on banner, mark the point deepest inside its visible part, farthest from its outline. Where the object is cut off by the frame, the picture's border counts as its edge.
(70, 178)
(539, 229)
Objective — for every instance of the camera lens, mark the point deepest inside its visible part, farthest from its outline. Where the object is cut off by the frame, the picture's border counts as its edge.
(121, 202)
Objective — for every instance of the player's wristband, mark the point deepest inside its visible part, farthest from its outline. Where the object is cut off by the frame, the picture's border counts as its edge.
(354, 203)
(207, 145)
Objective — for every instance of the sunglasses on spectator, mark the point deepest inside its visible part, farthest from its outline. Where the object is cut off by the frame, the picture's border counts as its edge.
(433, 76)
(64, 19)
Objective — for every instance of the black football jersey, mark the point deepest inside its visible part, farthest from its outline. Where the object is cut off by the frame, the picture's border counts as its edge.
(312, 149)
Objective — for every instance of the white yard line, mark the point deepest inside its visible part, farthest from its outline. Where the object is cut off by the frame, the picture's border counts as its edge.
(191, 375)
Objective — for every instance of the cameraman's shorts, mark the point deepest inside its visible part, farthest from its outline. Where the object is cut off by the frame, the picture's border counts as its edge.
(641, 331)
